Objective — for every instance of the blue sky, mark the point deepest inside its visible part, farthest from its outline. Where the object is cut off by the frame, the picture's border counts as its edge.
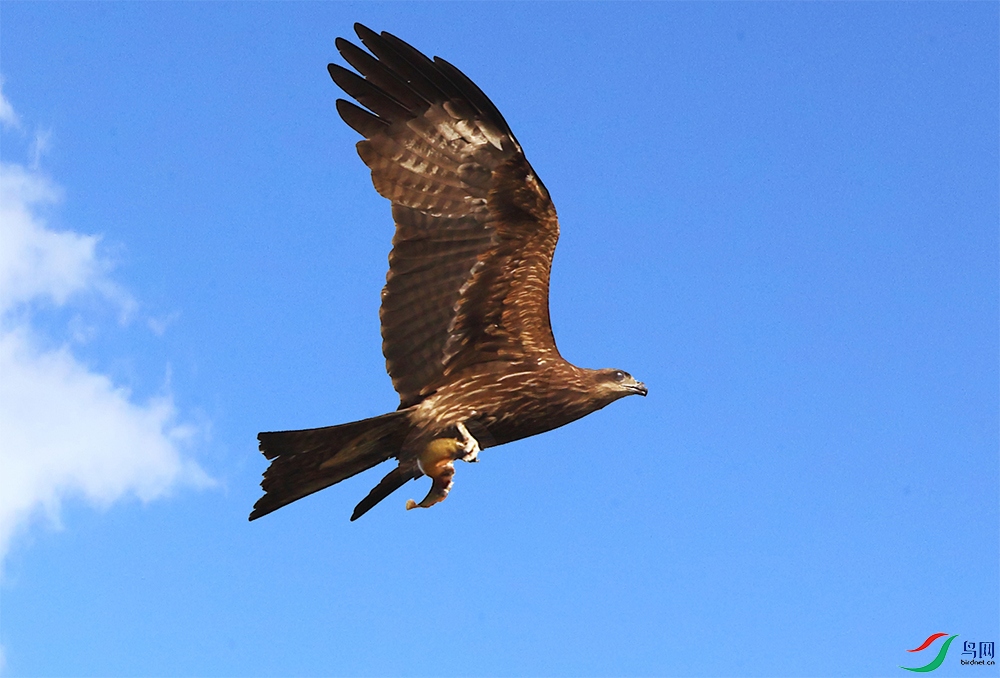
(782, 217)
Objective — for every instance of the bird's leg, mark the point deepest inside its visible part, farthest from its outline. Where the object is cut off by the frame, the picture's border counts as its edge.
(469, 444)
(438, 462)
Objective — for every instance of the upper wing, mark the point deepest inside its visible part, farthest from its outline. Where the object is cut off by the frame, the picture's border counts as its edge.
(468, 277)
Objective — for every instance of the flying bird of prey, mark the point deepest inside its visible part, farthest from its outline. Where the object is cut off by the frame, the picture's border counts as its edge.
(465, 308)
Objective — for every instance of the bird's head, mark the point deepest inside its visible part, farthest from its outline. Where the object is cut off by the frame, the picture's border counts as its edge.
(614, 384)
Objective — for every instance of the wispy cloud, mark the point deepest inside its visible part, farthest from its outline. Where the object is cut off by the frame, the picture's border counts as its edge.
(66, 429)
(8, 118)
(39, 147)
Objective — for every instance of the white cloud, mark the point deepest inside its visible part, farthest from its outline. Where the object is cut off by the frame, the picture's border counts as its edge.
(8, 118)
(36, 262)
(39, 147)
(66, 430)
(158, 326)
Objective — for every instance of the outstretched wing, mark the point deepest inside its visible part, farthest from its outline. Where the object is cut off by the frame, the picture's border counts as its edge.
(468, 277)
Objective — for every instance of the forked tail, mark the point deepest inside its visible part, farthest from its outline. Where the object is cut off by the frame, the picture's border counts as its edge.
(310, 460)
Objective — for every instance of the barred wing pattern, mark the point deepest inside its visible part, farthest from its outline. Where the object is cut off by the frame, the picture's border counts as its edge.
(475, 228)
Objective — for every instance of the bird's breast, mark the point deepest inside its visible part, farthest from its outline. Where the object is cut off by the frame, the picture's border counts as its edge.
(506, 404)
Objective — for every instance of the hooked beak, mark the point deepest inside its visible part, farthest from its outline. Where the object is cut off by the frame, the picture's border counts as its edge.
(639, 388)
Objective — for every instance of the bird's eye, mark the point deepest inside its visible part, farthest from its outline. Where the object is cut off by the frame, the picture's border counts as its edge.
(619, 376)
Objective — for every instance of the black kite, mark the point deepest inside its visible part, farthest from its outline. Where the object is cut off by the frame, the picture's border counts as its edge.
(465, 309)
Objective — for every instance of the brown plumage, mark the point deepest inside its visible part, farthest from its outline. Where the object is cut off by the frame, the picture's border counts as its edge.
(465, 314)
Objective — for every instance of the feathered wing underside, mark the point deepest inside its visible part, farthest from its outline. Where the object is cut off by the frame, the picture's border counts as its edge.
(475, 227)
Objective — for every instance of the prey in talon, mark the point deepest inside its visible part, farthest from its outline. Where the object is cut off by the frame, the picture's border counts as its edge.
(437, 461)
(465, 308)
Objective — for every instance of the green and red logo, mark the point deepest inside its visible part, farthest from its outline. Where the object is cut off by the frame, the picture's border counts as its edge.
(940, 655)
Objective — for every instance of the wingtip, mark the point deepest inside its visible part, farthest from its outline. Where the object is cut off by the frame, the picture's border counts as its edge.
(340, 75)
(363, 31)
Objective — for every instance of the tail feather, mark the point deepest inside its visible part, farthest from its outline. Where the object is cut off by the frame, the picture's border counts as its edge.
(310, 460)
(389, 484)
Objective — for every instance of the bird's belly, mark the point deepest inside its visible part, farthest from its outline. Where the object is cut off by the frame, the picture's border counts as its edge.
(529, 422)
(501, 409)
(520, 416)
